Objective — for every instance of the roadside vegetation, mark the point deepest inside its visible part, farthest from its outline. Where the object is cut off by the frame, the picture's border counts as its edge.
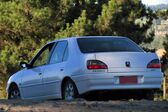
(26, 25)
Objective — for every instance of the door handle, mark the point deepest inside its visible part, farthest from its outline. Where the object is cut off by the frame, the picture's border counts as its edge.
(40, 73)
(61, 69)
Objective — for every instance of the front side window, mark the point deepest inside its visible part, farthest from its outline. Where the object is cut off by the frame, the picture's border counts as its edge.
(43, 56)
(58, 52)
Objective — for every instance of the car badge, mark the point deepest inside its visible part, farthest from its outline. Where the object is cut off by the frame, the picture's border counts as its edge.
(127, 64)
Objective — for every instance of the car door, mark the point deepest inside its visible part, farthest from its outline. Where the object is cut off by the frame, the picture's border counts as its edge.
(31, 85)
(55, 69)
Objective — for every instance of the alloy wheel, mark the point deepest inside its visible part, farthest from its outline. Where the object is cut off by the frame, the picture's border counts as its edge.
(70, 91)
(14, 93)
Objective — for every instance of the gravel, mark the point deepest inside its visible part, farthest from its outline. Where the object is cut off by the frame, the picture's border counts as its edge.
(82, 106)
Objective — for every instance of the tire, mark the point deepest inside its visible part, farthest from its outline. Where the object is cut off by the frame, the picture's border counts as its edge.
(69, 91)
(14, 93)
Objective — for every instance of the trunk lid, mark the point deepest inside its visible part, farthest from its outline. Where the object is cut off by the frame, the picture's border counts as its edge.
(126, 61)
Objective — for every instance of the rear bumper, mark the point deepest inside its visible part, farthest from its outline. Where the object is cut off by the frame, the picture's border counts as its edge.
(110, 81)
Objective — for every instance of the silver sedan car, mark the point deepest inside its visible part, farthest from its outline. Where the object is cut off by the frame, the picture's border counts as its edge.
(70, 67)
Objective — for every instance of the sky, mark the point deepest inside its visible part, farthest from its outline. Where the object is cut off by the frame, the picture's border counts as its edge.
(154, 2)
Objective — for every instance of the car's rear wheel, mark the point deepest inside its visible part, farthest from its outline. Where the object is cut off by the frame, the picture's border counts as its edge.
(14, 93)
(69, 91)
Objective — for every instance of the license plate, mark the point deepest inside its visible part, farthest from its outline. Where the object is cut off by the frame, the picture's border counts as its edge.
(128, 79)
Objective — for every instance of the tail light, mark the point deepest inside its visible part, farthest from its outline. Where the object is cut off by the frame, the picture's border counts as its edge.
(96, 64)
(154, 64)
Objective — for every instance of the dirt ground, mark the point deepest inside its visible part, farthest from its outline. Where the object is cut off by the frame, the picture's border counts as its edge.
(82, 106)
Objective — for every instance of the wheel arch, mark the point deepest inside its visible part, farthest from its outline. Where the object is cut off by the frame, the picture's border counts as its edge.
(12, 84)
(63, 82)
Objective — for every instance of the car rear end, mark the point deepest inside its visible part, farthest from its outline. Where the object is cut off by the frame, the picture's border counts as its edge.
(117, 63)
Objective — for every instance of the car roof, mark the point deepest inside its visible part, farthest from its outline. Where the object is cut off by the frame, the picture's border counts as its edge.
(73, 38)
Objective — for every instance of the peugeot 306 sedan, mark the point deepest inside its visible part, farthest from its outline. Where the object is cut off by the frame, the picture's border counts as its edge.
(70, 67)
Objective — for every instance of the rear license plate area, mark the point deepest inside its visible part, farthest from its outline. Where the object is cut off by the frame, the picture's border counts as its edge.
(128, 80)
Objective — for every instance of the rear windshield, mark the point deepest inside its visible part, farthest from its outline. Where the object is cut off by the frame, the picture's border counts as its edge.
(91, 45)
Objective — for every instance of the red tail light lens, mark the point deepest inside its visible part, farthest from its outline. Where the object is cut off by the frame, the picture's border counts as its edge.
(96, 64)
(154, 64)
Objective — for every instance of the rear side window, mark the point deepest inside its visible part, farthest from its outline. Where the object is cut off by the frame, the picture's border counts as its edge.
(91, 45)
(58, 52)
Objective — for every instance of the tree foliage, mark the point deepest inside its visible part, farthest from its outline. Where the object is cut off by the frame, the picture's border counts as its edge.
(126, 17)
(162, 13)
(25, 25)
(165, 57)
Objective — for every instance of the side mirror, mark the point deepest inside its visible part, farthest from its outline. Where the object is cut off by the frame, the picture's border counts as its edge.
(24, 65)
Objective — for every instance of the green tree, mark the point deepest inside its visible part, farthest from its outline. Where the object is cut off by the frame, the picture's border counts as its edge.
(164, 59)
(80, 27)
(127, 18)
(162, 13)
